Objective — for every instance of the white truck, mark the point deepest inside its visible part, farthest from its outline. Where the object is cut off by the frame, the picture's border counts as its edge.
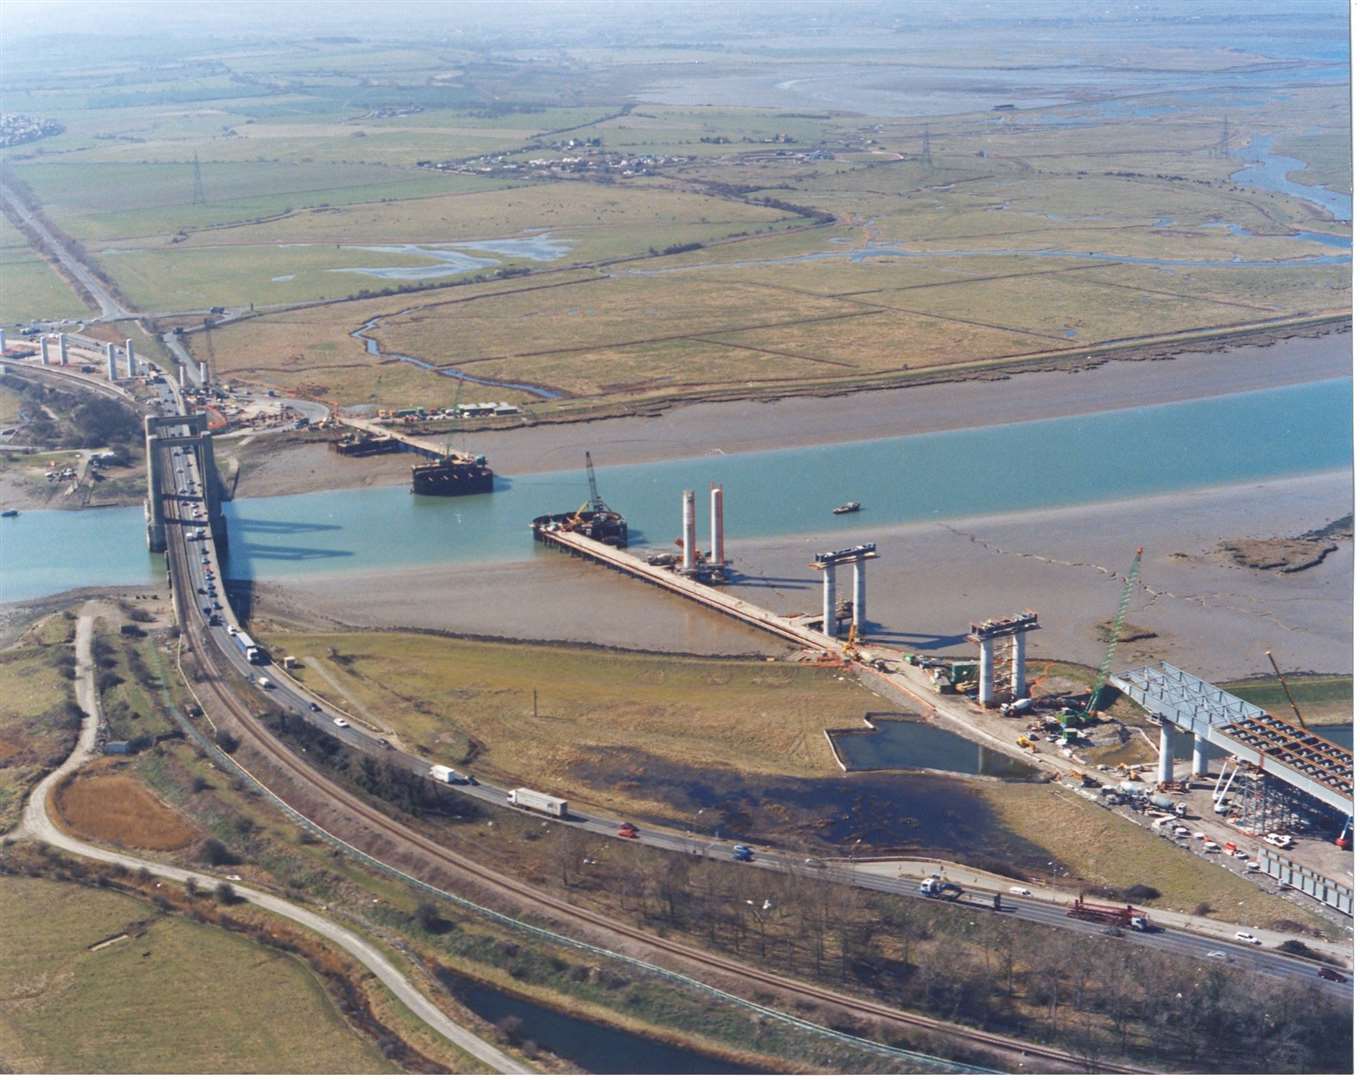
(526, 799)
(445, 775)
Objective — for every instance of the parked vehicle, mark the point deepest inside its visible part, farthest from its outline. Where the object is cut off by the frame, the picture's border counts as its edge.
(527, 799)
(445, 775)
(1246, 938)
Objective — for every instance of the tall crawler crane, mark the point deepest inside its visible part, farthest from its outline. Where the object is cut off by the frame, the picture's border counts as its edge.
(1087, 715)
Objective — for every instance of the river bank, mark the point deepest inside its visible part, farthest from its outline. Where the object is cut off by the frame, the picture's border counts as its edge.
(287, 465)
(933, 580)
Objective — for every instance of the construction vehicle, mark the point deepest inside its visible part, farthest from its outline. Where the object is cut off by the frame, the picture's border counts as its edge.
(1078, 718)
(936, 887)
(948, 676)
(1018, 707)
(851, 647)
(1127, 916)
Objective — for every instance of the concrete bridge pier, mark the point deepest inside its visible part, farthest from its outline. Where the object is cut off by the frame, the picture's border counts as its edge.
(1199, 760)
(986, 670)
(1166, 758)
(1018, 689)
(830, 624)
(859, 616)
(212, 489)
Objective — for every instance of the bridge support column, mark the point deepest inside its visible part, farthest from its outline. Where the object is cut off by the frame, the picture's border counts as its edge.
(155, 506)
(212, 491)
(42, 345)
(1018, 689)
(986, 671)
(688, 540)
(1166, 758)
(1199, 761)
(111, 362)
(830, 624)
(62, 350)
(131, 359)
(859, 615)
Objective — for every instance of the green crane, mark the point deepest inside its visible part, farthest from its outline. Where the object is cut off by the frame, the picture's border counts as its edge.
(1074, 717)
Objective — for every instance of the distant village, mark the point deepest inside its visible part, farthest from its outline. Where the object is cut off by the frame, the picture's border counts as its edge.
(16, 128)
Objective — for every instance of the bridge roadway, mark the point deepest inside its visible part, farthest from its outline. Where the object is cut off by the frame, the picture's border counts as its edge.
(205, 574)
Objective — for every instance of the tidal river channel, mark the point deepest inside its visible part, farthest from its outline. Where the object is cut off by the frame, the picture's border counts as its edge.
(947, 475)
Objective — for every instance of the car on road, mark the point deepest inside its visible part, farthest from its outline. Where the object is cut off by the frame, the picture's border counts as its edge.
(207, 611)
(265, 683)
(313, 706)
(340, 721)
(385, 744)
(743, 853)
(628, 830)
(1330, 975)
(1019, 890)
(1216, 954)
(814, 863)
(1246, 938)
(232, 631)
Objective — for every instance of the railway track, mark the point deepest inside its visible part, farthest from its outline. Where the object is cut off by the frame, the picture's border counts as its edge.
(412, 841)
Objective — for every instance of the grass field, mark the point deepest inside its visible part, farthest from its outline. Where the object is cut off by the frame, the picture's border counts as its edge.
(108, 806)
(39, 719)
(29, 287)
(174, 997)
(448, 695)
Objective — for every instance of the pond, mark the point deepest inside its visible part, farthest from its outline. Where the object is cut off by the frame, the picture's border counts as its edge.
(589, 1044)
(903, 741)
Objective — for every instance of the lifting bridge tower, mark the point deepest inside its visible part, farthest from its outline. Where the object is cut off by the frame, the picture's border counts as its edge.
(193, 433)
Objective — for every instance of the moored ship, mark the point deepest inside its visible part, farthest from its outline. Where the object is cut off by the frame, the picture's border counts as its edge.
(594, 519)
(452, 474)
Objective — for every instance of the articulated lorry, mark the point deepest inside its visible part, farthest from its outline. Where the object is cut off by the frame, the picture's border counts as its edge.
(1111, 916)
(526, 799)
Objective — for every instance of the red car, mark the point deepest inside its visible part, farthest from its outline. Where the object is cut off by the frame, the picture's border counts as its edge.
(628, 830)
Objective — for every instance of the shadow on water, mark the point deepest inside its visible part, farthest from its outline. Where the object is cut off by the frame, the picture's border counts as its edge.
(917, 639)
(897, 811)
(749, 581)
(267, 526)
(289, 553)
(593, 1046)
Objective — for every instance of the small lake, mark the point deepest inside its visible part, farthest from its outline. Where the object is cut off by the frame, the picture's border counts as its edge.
(901, 741)
(451, 259)
(592, 1046)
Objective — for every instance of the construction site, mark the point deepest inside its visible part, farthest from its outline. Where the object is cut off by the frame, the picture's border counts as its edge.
(1255, 786)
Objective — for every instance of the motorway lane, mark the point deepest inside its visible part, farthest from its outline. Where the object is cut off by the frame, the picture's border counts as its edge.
(291, 696)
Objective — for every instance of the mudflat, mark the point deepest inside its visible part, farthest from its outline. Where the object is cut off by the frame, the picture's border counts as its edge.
(931, 582)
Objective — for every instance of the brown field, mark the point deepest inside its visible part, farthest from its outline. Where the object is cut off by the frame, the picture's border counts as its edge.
(113, 807)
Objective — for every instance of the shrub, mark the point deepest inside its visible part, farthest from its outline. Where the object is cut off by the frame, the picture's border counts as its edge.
(1141, 892)
(227, 740)
(224, 893)
(215, 853)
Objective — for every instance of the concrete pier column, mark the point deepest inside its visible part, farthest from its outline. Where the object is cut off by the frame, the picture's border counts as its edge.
(1166, 759)
(986, 671)
(111, 362)
(61, 350)
(687, 537)
(42, 344)
(181, 375)
(830, 624)
(1018, 665)
(1199, 760)
(715, 526)
(155, 508)
(131, 359)
(859, 614)
(2, 339)
(203, 374)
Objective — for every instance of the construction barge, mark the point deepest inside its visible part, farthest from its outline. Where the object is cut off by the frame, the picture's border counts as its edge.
(453, 474)
(364, 444)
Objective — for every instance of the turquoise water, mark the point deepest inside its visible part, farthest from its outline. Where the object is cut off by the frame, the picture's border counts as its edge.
(947, 475)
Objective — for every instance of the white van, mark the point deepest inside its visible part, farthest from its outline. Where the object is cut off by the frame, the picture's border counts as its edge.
(1020, 890)
(1247, 939)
